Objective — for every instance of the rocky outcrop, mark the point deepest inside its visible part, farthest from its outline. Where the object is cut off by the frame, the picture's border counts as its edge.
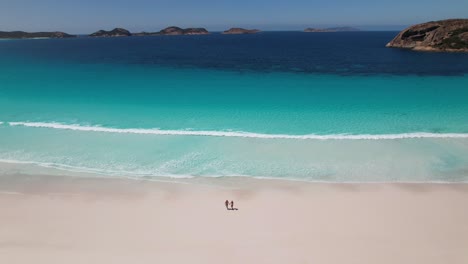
(334, 29)
(27, 35)
(240, 31)
(116, 32)
(446, 35)
(183, 31)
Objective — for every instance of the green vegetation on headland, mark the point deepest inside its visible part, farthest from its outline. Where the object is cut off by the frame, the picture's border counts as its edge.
(449, 35)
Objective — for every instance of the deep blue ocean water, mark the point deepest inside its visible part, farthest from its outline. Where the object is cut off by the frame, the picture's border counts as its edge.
(333, 107)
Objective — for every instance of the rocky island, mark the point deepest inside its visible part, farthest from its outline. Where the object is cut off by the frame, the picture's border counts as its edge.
(116, 32)
(240, 31)
(175, 31)
(27, 35)
(183, 31)
(334, 29)
(445, 35)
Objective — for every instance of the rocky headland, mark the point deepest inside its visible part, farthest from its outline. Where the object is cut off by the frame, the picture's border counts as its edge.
(116, 32)
(334, 29)
(32, 35)
(240, 31)
(449, 35)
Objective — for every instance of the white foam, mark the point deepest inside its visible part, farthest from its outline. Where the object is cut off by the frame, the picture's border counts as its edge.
(95, 171)
(155, 131)
(178, 178)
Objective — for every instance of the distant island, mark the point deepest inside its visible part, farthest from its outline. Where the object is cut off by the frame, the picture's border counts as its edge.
(183, 31)
(240, 31)
(449, 35)
(333, 29)
(27, 35)
(175, 31)
(116, 32)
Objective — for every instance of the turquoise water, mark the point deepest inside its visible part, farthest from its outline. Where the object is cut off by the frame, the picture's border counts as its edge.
(270, 103)
(125, 119)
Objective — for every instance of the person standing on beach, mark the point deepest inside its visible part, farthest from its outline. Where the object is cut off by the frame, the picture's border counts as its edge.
(232, 205)
(227, 204)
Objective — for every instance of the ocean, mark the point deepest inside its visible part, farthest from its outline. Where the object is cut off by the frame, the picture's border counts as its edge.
(322, 107)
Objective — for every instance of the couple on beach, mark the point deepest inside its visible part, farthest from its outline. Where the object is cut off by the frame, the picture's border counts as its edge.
(231, 203)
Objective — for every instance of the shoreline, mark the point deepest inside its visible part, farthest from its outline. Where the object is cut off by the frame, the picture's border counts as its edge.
(18, 168)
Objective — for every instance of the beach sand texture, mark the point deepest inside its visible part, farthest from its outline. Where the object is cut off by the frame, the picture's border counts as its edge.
(78, 220)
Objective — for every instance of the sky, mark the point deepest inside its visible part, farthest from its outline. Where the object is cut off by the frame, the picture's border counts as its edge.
(86, 16)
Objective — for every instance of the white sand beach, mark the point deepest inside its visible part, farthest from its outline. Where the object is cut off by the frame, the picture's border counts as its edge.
(53, 219)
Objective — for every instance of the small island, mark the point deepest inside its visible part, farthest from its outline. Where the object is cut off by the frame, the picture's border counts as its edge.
(240, 31)
(33, 35)
(116, 32)
(449, 35)
(173, 31)
(333, 29)
(183, 31)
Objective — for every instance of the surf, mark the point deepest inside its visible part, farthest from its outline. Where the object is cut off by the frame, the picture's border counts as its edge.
(239, 134)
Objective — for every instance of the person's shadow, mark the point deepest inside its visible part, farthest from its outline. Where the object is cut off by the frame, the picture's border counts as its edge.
(233, 209)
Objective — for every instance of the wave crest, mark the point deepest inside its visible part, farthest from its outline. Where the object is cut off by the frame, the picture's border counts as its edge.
(242, 134)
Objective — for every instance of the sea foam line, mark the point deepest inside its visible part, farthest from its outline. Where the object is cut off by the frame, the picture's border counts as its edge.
(155, 131)
(179, 179)
(95, 171)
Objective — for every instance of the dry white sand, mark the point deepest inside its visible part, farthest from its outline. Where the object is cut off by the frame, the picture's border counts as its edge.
(70, 220)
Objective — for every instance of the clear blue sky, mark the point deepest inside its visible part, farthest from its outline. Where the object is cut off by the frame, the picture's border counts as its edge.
(85, 16)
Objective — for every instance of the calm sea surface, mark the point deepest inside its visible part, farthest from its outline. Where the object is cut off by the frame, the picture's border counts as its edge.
(336, 107)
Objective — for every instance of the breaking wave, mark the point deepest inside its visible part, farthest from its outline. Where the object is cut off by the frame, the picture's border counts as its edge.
(241, 134)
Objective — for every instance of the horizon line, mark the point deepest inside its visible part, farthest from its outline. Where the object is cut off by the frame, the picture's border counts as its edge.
(220, 30)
